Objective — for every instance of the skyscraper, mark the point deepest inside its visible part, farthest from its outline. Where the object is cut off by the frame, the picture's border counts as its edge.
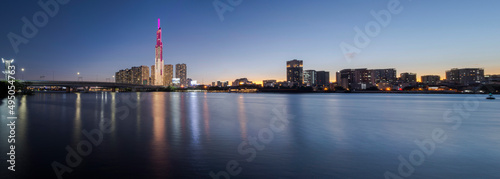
(168, 75)
(181, 73)
(158, 71)
(310, 77)
(465, 76)
(294, 73)
(323, 78)
(140, 75)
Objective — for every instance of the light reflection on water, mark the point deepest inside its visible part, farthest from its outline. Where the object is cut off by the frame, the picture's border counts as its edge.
(187, 135)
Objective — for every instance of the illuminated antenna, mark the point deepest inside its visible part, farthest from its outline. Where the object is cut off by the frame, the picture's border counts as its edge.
(158, 23)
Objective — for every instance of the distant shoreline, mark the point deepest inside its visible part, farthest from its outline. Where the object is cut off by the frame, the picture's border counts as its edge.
(298, 92)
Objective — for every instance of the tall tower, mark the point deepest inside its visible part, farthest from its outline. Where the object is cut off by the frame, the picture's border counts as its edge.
(158, 71)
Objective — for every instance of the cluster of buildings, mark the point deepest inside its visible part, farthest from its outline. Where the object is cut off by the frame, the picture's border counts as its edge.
(350, 79)
(161, 74)
(296, 77)
(378, 79)
(141, 75)
(361, 79)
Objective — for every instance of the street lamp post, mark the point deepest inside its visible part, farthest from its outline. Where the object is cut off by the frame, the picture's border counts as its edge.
(22, 73)
(79, 77)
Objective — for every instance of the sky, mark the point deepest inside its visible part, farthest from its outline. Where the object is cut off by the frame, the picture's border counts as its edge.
(254, 40)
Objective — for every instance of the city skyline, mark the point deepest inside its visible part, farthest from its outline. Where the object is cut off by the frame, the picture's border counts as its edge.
(226, 50)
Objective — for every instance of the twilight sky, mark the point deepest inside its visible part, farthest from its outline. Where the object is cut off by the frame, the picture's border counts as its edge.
(98, 38)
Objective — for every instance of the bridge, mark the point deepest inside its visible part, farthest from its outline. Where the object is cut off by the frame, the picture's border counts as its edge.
(86, 85)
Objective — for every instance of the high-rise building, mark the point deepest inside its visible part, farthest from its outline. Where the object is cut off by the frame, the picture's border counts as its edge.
(181, 73)
(322, 78)
(408, 77)
(294, 73)
(465, 76)
(140, 75)
(430, 79)
(383, 76)
(453, 75)
(123, 76)
(310, 77)
(362, 78)
(168, 74)
(158, 71)
(345, 78)
(135, 75)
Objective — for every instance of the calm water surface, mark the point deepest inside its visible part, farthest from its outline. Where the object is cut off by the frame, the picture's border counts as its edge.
(189, 135)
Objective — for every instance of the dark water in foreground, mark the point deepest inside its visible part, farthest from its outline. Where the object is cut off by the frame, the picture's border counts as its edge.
(188, 135)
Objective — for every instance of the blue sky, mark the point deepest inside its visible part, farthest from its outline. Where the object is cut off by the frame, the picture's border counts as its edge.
(98, 38)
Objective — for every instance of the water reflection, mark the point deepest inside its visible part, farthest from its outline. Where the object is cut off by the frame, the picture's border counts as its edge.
(194, 118)
(159, 143)
(22, 122)
(242, 116)
(206, 117)
(113, 114)
(329, 136)
(77, 120)
(138, 111)
(176, 117)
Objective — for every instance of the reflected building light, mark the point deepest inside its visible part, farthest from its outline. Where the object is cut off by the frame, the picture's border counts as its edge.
(138, 111)
(23, 121)
(242, 117)
(113, 113)
(194, 118)
(174, 109)
(206, 116)
(77, 121)
(159, 143)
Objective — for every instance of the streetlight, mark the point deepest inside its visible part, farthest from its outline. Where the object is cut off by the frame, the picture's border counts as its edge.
(79, 77)
(22, 73)
(114, 78)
